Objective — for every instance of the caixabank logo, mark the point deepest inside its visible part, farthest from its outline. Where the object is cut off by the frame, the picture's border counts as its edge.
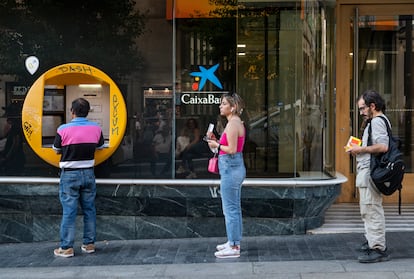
(205, 75)
(201, 77)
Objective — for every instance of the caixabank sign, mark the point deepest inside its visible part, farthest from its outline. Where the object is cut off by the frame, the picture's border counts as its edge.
(198, 96)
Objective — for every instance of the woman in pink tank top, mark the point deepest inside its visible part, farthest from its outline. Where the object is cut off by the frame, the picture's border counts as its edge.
(232, 172)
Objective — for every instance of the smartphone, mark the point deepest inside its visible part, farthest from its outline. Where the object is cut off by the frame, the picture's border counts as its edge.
(210, 128)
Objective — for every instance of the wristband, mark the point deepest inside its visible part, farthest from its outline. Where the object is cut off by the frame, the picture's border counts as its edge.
(218, 147)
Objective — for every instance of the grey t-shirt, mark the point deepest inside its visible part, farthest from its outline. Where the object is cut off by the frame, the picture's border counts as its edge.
(379, 134)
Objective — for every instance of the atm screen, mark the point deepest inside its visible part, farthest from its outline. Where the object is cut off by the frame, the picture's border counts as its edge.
(50, 123)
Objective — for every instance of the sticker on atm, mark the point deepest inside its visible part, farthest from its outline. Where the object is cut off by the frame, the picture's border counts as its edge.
(352, 140)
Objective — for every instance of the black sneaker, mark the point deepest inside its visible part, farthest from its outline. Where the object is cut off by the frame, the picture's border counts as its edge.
(374, 256)
(364, 247)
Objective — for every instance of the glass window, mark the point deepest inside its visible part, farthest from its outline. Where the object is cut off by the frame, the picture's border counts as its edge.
(282, 73)
(172, 69)
(206, 68)
(385, 44)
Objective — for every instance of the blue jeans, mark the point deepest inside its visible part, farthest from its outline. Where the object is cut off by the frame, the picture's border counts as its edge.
(232, 174)
(77, 186)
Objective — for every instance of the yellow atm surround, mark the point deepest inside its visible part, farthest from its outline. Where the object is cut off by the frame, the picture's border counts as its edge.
(67, 75)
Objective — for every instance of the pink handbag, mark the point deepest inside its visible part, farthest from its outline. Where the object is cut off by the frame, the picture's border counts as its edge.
(213, 164)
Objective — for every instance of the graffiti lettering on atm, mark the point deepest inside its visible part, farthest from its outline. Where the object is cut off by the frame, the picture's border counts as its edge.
(75, 69)
(115, 116)
(28, 129)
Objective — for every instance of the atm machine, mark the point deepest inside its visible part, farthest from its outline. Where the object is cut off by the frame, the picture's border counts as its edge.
(47, 105)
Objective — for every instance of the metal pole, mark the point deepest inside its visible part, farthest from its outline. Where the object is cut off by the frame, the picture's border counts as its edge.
(355, 78)
(174, 84)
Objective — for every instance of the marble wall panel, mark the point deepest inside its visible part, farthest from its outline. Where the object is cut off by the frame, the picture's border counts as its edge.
(119, 228)
(10, 204)
(44, 205)
(315, 191)
(298, 225)
(164, 206)
(29, 190)
(124, 191)
(161, 227)
(47, 227)
(206, 227)
(313, 222)
(311, 207)
(16, 228)
(154, 191)
(267, 226)
(204, 207)
(269, 192)
(315, 201)
(267, 208)
(33, 213)
(119, 206)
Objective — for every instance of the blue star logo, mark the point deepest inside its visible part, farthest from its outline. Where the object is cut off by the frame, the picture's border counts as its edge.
(207, 74)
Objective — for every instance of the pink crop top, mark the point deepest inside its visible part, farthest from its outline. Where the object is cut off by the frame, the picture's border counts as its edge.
(240, 143)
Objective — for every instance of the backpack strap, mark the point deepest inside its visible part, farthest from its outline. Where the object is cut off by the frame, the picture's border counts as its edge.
(399, 201)
(369, 142)
(389, 136)
(387, 124)
(370, 129)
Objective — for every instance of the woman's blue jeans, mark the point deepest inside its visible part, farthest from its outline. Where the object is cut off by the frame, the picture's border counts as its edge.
(77, 186)
(232, 174)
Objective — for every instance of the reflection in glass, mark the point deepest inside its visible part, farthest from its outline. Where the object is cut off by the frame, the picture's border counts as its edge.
(282, 75)
(385, 44)
(275, 54)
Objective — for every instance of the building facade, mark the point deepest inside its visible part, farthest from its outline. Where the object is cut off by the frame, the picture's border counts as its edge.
(298, 65)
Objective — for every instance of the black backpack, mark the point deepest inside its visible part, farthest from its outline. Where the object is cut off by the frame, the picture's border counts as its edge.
(387, 169)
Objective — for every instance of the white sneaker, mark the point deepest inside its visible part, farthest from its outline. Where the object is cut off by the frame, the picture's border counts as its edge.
(223, 246)
(228, 252)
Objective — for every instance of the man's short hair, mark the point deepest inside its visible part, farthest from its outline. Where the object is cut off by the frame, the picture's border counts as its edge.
(80, 107)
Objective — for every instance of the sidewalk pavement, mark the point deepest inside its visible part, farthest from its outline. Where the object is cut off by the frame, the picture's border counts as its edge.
(292, 257)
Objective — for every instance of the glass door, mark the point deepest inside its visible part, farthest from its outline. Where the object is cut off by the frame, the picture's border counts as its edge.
(379, 53)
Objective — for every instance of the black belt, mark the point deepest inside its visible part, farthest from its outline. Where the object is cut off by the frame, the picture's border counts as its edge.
(75, 169)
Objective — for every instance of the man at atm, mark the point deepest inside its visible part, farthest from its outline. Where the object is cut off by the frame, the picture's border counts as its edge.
(77, 141)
